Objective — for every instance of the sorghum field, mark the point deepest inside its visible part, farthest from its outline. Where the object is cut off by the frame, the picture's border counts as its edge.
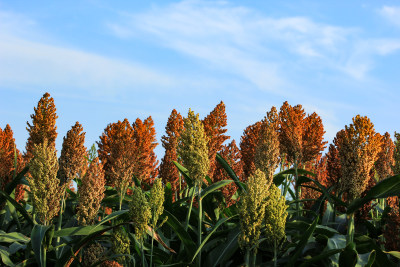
(273, 199)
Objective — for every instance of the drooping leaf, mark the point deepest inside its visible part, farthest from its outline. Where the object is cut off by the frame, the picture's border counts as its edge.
(386, 188)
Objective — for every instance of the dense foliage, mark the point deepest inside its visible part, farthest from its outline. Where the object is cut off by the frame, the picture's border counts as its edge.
(273, 200)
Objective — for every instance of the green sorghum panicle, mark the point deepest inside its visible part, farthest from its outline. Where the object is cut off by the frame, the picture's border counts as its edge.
(43, 182)
(252, 210)
(192, 148)
(120, 243)
(156, 201)
(140, 212)
(275, 215)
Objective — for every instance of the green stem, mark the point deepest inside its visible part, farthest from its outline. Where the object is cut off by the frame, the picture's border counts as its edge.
(152, 241)
(141, 247)
(275, 254)
(253, 258)
(297, 188)
(247, 258)
(59, 223)
(350, 228)
(189, 211)
(200, 224)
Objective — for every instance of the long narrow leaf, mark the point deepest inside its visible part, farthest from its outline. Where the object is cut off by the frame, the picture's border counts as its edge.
(385, 188)
(38, 235)
(230, 172)
(216, 226)
(213, 187)
(302, 243)
(189, 245)
(19, 208)
(185, 173)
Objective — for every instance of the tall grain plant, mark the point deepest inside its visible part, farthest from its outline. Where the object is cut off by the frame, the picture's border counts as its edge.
(144, 139)
(117, 153)
(8, 154)
(72, 161)
(358, 150)
(214, 128)
(91, 193)
(275, 218)
(300, 137)
(192, 148)
(44, 185)
(252, 208)
(43, 125)
(156, 203)
(168, 171)
(141, 214)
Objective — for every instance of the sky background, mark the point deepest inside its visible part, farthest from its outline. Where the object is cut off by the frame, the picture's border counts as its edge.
(103, 61)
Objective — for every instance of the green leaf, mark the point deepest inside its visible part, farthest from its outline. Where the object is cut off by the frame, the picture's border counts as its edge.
(189, 245)
(5, 257)
(87, 230)
(321, 256)
(348, 258)
(395, 254)
(214, 187)
(185, 173)
(218, 224)
(38, 235)
(80, 230)
(225, 250)
(383, 189)
(371, 259)
(302, 243)
(19, 208)
(13, 237)
(230, 172)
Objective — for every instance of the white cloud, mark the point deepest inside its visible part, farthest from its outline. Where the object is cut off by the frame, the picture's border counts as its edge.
(254, 46)
(391, 13)
(36, 64)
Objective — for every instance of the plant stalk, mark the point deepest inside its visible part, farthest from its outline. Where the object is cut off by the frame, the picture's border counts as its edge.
(350, 229)
(141, 247)
(247, 258)
(275, 254)
(152, 244)
(200, 224)
(297, 188)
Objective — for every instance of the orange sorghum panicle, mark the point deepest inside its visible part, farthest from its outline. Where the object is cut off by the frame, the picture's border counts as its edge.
(231, 154)
(144, 136)
(358, 149)
(72, 160)
(214, 127)
(43, 125)
(91, 193)
(248, 145)
(385, 162)
(168, 171)
(117, 154)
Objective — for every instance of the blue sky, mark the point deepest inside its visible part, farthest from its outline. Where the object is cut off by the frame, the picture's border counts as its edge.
(103, 61)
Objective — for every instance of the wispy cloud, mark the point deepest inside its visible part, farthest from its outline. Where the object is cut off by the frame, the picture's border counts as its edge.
(391, 13)
(27, 61)
(255, 46)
